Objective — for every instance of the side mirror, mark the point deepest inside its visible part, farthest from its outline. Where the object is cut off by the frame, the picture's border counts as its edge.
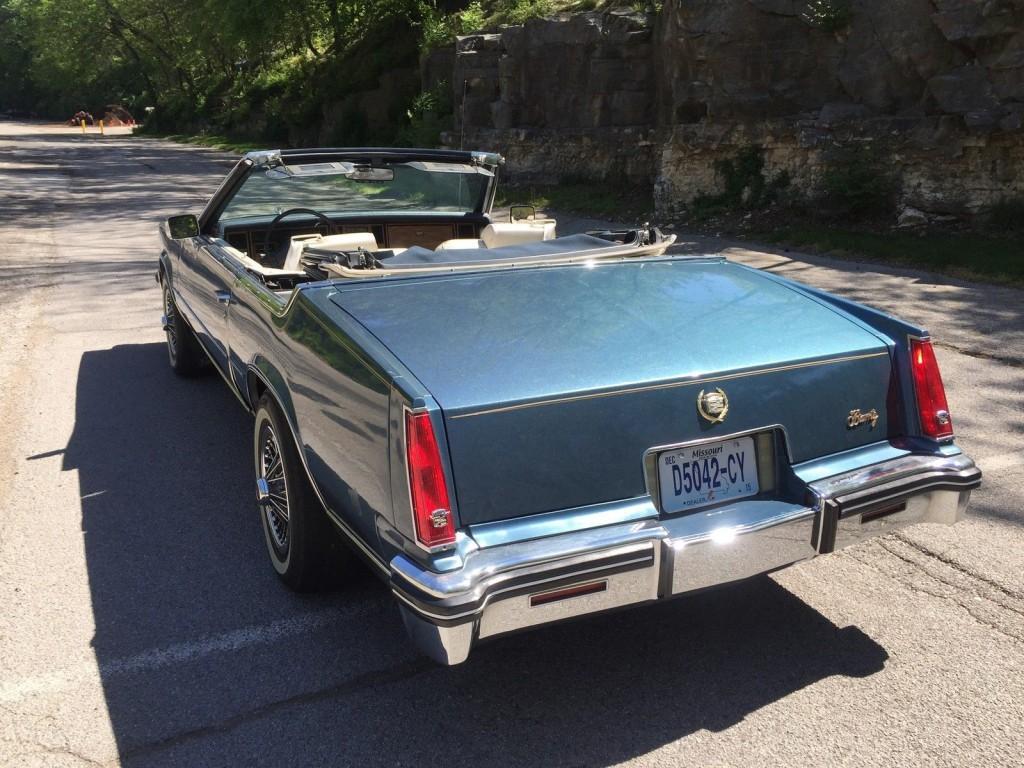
(183, 227)
(522, 213)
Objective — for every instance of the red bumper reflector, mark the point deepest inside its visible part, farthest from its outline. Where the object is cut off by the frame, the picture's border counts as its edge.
(543, 598)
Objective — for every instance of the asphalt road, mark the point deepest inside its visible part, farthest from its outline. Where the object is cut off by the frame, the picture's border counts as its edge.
(141, 624)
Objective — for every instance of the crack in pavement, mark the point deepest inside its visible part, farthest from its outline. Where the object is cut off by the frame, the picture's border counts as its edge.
(946, 560)
(367, 680)
(1008, 361)
(964, 591)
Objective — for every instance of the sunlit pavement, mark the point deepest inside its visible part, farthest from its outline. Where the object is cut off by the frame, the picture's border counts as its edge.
(141, 624)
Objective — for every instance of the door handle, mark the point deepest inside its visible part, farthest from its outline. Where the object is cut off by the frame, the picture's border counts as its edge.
(224, 297)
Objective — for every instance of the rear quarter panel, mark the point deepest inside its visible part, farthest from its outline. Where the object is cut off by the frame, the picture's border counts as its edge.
(336, 397)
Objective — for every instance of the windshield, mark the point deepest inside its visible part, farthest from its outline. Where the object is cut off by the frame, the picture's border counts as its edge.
(344, 187)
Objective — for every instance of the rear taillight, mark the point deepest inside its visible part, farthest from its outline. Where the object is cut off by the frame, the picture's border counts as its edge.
(431, 509)
(931, 395)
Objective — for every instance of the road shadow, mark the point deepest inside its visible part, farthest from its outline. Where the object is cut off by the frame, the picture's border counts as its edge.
(207, 660)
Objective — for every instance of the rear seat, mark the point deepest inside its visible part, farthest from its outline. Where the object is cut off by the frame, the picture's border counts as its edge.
(501, 234)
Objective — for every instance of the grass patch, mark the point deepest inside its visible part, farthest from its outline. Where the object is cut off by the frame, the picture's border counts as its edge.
(1007, 215)
(961, 254)
(210, 140)
(596, 200)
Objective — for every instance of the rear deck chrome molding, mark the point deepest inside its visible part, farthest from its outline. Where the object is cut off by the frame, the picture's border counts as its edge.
(653, 559)
(667, 385)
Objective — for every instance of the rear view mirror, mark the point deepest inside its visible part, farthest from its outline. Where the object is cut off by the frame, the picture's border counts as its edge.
(522, 213)
(369, 173)
(183, 227)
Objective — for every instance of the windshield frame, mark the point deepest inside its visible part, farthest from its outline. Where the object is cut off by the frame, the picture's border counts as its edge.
(268, 159)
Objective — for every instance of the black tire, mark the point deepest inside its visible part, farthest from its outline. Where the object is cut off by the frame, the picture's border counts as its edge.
(303, 545)
(183, 351)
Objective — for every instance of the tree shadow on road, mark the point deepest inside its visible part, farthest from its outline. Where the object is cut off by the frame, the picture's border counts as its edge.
(206, 659)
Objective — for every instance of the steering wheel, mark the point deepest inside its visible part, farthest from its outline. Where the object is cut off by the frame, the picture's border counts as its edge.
(274, 251)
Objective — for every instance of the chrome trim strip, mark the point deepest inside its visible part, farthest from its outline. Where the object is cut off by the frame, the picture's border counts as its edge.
(647, 559)
(667, 385)
(876, 475)
(704, 533)
(525, 558)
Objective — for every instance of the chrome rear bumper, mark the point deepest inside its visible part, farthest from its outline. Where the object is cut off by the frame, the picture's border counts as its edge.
(509, 587)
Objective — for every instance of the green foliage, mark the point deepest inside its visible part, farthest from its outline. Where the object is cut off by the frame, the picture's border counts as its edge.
(1007, 215)
(429, 115)
(829, 15)
(576, 196)
(966, 254)
(473, 18)
(521, 11)
(745, 186)
(437, 27)
(646, 6)
(856, 185)
(284, 72)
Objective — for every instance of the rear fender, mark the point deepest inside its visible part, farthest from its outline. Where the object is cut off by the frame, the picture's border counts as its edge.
(262, 375)
(893, 331)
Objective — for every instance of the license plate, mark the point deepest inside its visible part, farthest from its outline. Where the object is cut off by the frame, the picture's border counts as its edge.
(707, 473)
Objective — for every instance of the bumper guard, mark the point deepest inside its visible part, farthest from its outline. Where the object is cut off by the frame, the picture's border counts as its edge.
(506, 588)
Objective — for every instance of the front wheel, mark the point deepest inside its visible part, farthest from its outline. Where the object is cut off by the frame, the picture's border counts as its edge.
(299, 535)
(183, 351)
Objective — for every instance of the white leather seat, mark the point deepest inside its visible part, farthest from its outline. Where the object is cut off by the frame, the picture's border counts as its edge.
(513, 233)
(350, 241)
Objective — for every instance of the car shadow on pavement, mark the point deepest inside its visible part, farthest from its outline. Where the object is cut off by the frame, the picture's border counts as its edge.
(206, 659)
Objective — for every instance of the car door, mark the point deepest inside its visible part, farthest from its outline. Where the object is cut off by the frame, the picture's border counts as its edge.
(207, 292)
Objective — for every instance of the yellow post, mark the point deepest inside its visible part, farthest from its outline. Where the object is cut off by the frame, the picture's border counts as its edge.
(83, 125)
(101, 127)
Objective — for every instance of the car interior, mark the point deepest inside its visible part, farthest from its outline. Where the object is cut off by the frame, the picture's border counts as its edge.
(275, 252)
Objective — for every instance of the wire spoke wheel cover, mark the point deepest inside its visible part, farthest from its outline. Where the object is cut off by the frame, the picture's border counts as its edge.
(273, 488)
(169, 326)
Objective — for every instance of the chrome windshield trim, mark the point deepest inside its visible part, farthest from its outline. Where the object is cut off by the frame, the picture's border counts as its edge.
(266, 158)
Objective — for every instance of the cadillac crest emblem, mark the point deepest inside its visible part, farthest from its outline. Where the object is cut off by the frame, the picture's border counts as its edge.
(713, 405)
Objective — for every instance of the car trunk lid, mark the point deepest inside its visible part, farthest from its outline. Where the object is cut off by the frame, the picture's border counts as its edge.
(555, 381)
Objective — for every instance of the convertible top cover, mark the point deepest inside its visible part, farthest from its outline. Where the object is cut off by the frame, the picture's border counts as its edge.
(555, 247)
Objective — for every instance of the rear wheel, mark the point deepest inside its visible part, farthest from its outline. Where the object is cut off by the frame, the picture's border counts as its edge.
(183, 350)
(300, 539)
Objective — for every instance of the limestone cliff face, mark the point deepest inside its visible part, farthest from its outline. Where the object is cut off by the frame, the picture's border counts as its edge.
(934, 87)
(757, 59)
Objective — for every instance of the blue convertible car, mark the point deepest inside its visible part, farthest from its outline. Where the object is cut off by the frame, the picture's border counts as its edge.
(514, 428)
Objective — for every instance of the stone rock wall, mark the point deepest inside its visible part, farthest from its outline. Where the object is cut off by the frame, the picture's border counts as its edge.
(934, 89)
(571, 96)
